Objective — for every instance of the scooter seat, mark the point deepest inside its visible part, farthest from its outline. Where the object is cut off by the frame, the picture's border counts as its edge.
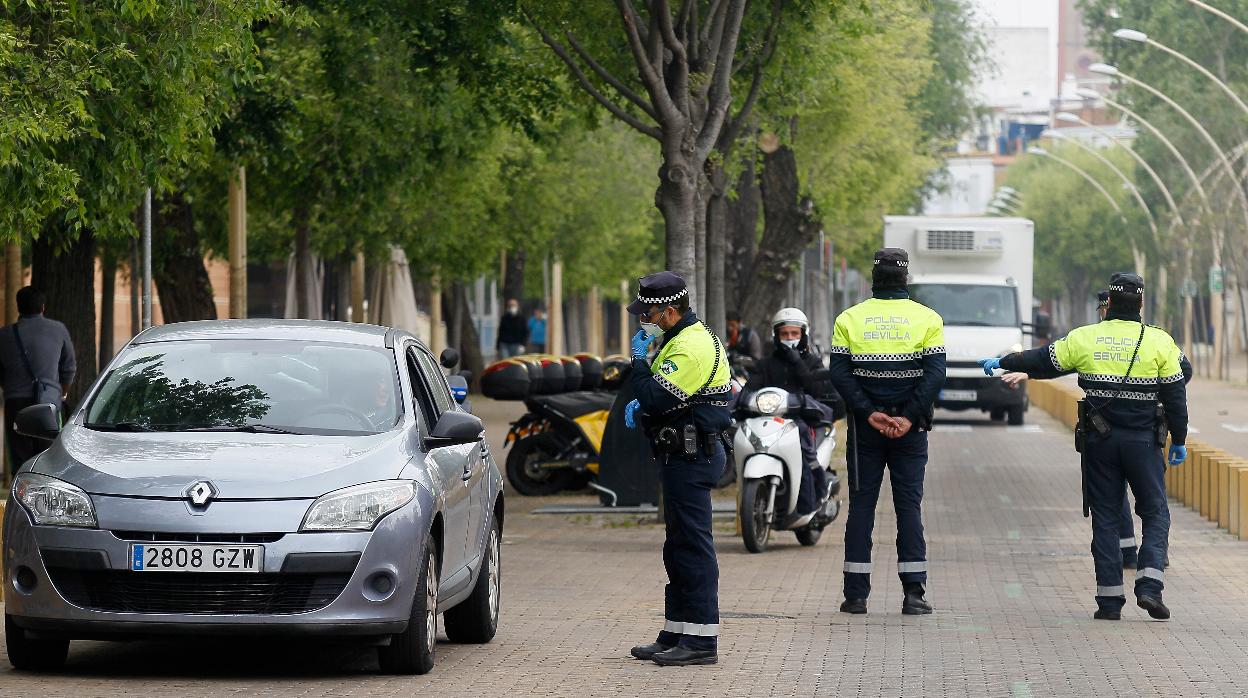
(575, 404)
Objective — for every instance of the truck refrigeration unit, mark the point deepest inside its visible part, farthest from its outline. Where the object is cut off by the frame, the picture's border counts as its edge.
(975, 272)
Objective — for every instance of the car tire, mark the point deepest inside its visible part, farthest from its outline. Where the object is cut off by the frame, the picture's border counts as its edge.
(997, 414)
(412, 651)
(1015, 416)
(536, 484)
(30, 654)
(475, 620)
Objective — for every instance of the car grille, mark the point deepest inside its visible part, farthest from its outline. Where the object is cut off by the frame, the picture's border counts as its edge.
(197, 593)
(167, 537)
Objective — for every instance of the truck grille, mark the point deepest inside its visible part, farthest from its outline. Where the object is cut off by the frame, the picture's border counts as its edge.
(951, 240)
(197, 593)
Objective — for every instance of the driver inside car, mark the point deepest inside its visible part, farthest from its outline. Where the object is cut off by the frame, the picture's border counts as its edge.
(794, 365)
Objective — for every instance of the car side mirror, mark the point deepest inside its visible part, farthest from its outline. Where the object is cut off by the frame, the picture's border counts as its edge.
(454, 429)
(41, 421)
(459, 388)
(449, 357)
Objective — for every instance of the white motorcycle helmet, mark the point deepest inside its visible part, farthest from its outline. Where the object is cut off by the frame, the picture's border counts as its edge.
(790, 317)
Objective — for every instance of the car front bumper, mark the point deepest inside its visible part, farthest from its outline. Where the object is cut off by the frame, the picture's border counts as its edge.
(76, 582)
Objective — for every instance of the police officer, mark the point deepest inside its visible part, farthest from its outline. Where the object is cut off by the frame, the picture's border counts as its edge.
(682, 402)
(888, 363)
(1125, 368)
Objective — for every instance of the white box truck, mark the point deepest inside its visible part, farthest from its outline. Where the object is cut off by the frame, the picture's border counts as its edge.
(977, 273)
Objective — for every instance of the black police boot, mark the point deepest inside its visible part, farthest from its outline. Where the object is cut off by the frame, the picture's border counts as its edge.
(1153, 605)
(914, 604)
(683, 656)
(1106, 614)
(855, 606)
(648, 651)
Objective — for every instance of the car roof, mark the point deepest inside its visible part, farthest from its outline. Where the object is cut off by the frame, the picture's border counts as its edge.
(308, 330)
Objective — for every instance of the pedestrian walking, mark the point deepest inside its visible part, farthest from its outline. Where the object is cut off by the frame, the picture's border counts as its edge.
(513, 331)
(1125, 369)
(887, 360)
(537, 331)
(37, 364)
(682, 403)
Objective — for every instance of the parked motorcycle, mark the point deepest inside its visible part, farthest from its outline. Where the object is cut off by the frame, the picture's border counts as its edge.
(555, 445)
(768, 452)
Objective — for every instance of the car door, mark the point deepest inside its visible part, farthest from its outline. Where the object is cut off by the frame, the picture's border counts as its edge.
(450, 464)
(475, 476)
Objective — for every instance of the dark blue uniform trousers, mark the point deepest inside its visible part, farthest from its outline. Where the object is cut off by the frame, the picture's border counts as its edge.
(906, 460)
(1127, 457)
(691, 597)
(1126, 533)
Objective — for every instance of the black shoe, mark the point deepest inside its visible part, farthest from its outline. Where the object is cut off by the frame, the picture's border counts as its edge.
(648, 651)
(1154, 606)
(914, 604)
(855, 606)
(1102, 614)
(683, 656)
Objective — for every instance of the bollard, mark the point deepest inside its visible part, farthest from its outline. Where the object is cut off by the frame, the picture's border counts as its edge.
(1222, 509)
(1238, 495)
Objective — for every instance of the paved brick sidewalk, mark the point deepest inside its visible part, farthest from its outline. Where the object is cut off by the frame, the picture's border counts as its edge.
(1011, 579)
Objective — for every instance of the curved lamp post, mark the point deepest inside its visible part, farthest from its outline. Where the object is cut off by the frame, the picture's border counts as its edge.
(1215, 11)
(1141, 37)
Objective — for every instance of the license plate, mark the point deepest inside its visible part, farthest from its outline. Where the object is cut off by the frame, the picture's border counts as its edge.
(196, 558)
(959, 395)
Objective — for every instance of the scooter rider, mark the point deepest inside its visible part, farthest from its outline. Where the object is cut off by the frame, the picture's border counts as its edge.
(795, 366)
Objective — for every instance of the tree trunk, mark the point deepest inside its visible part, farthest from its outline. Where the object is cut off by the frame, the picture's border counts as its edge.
(303, 265)
(463, 331)
(677, 199)
(178, 263)
(741, 233)
(716, 304)
(513, 281)
(790, 225)
(108, 299)
(136, 317)
(67, 278)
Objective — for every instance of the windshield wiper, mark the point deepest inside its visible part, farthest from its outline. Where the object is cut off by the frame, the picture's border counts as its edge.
(119, 426)
(246, 428)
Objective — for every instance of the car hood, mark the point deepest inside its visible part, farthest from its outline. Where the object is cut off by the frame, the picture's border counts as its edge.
(239, 465)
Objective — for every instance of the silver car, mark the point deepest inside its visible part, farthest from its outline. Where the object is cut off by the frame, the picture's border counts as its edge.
(257, 476)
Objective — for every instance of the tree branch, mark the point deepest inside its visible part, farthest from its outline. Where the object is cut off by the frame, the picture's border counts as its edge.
(679, 70)
(618, 111)
(720, 95)
(651, 79)
(610, 79)
(693, 32)
(712, 12)
(761, 61)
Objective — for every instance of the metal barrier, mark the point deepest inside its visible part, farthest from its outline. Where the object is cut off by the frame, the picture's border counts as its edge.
(1211, 481)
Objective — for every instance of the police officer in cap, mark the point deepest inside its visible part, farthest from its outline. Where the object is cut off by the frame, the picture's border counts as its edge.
(888, 362)
(682, 401)
(1125, 368)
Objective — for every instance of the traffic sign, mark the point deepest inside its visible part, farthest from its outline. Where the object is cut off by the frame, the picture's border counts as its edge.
(1216, 275)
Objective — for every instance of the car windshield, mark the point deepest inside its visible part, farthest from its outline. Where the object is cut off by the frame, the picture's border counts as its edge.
(970, 304)
(263, 386)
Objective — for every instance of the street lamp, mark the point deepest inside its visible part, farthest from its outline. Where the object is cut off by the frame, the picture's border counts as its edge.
(1215, 299)
(1141, 37)
(1034, 150)
(1215, 11)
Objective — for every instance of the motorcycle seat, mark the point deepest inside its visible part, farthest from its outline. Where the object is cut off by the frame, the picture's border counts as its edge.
(575, 404)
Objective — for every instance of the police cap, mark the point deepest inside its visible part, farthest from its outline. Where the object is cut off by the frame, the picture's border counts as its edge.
(892, 257)
(1126, 282)
(659, 288)
(1102, 299)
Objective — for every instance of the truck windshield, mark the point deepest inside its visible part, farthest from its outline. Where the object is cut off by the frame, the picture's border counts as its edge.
(970, 304)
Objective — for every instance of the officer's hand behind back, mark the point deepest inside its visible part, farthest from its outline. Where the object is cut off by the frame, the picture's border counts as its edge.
(630, 412)
(641, 343)
(1178, 454)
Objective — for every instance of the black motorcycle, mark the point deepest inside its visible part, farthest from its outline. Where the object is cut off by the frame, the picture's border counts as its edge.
(555, 445)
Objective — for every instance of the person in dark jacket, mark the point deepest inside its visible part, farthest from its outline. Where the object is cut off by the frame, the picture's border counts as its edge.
(513, 331)
(38, 366)
(796, 367)
(743, 341)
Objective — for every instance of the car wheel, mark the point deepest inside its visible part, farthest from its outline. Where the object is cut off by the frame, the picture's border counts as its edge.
(30, 654)
(411, 651)
(997, 414)
(524, 474)
(476, 618)
(1015, 416)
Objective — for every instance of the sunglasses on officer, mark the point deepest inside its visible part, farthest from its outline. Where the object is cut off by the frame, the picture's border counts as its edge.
(653, 315)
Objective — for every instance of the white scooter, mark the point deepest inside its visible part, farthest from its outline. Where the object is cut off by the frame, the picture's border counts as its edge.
(768, 453)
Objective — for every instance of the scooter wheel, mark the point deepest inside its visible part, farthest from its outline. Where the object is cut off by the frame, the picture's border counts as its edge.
(755, 528)
(530, 480)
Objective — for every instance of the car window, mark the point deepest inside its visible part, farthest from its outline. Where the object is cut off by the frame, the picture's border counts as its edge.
(437, 382)
(420, 390)
(234, 384)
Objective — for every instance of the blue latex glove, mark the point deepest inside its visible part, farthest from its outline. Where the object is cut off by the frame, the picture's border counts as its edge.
(630, 410)
(641, 342)
(989, 365)
(1178, 454)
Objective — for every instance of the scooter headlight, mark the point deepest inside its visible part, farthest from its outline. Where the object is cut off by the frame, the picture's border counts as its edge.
(769, 403)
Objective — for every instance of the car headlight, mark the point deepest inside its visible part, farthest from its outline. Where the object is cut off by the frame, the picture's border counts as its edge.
(768, 403)
(53, 502)
(358, 508)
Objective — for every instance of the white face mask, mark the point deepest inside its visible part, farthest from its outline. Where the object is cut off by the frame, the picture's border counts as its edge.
(652, 329)
(791, 343)
(512, 310)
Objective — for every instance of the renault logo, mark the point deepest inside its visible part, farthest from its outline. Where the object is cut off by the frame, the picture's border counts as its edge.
(200, 493)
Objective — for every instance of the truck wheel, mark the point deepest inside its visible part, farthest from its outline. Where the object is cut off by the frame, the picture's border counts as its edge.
(997, 414)
(1016, 416)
